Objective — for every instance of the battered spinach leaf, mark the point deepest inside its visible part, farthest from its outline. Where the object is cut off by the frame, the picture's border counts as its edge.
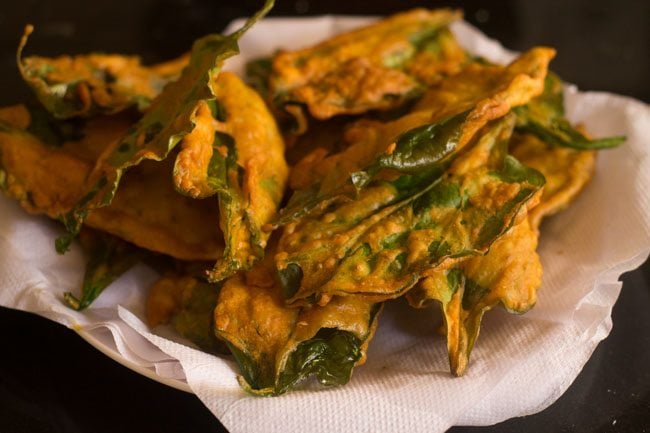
(378, 67)
(330, 356)
(168, 120)
(195, 319)
(423, 148)
(378, 245)
(544, 117)
(235, 152)
(277, 346)
(421, 154)
(87, 85)
(509, 275)
(108, 258)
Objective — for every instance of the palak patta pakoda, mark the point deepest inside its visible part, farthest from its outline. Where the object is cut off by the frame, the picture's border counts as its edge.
(417, 171)
(238, 155)
(147, 211)
(373, 68)
(277, 346)
(509, 274)
(188, 303)
(377, 246)
(94, 84)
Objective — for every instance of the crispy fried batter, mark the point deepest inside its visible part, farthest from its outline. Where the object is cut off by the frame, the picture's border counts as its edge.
(88, 85)
(260, 148)
(188, 304)
(509, 274)
(147, 211)
(244, 165)
(278, 346)
(566, 170)
(489, 92)
(375, 67)
(193, 160)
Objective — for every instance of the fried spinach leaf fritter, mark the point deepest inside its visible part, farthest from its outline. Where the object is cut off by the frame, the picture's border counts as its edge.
(88, 85)
(378, 245)
(376, 67)
(544, 117)
(277, 346)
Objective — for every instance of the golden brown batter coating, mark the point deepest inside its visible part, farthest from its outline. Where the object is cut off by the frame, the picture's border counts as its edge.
(375, 67)
(146, 211)
(566, 170)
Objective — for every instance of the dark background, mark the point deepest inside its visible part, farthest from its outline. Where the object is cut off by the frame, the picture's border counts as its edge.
(53, 381)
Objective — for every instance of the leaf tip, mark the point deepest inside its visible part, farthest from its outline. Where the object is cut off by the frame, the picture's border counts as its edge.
(268, 5)
(29, 29)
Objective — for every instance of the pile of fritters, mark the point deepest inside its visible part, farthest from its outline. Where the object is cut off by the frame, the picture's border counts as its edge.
(382, 163)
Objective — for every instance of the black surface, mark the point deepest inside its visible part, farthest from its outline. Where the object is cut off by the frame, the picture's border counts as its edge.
(53, 381)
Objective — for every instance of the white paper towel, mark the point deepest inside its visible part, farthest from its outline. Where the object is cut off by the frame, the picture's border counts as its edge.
(405, 385)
